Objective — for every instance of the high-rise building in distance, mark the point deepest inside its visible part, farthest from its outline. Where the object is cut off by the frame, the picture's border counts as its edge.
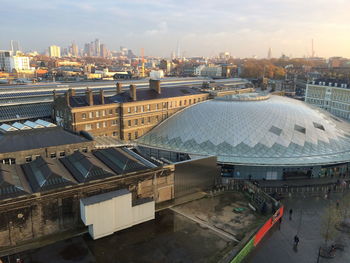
(75, 50)
(269, 53)
(97, 47)
(104, 51)
(15, 46)
(54, 51)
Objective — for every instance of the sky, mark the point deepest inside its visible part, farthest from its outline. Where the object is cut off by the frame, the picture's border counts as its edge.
(201, 27)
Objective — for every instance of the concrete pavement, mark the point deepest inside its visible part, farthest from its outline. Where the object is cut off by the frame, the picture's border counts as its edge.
(308, 214)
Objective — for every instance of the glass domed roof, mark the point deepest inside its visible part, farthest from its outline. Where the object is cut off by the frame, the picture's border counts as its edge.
(273, 130)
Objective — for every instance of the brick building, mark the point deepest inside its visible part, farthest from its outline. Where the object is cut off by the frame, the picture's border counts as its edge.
(126, 115)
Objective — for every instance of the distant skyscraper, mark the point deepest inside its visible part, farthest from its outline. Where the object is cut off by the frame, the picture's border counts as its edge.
(104, 51)
(15, 46)
(74, 50)
(269, 53)
(97, 47)
(54, 51)
(178, 50)
(86, 49)
(312, 48)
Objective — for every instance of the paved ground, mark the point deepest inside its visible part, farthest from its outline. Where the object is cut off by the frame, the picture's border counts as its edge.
(306, 221)
(218, 212)
(171, 237)
(198, 231)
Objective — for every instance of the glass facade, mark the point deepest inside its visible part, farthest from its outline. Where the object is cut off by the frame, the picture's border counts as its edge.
(277, 131)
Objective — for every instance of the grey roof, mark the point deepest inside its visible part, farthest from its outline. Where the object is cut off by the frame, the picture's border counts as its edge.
(119, 161)
(12, 181)
(274, 131)
(25, 111)
(150, 94)
(83, 168)
(37, 138)
(44, 174)
(141, 94)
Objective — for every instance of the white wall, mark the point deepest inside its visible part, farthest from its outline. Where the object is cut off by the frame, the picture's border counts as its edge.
(116, 213)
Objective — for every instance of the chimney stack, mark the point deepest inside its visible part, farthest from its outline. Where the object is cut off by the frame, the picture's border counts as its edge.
(102, 97)
(119, 88)
(89, 97)
(155, 85)
(71, 92)
(133, 92)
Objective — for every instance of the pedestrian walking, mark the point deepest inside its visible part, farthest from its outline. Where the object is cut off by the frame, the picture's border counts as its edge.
(290, 213)
(296, 241)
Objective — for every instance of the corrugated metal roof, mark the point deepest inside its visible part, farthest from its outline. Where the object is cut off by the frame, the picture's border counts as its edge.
(25, 111)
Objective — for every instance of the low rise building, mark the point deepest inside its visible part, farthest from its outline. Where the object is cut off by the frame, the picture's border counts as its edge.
(43, 197)
(24, 142)
(10, 62)
(213, 71)
(331, 96)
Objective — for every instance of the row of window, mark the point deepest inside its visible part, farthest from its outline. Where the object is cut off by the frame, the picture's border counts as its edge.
(97, 114)
(337, 105)
(143, 121)
(342, 96)
(28, 159)
(98, 125)
(136, 135)
(164, 105)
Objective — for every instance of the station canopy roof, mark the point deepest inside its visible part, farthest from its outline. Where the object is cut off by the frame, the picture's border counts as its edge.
(255, 130)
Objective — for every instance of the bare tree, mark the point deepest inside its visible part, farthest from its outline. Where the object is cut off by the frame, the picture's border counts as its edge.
(331, 218)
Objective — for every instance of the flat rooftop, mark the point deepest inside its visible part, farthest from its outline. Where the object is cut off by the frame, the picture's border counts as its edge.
(23, 140)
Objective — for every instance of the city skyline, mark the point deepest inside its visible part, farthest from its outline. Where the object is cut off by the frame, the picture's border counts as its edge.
(202, 28)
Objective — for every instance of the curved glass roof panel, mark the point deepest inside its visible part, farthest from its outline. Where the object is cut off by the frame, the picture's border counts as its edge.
(272, 131)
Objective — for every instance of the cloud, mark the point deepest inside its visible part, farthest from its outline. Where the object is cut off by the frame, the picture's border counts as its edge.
(161, 28)
(204, 26)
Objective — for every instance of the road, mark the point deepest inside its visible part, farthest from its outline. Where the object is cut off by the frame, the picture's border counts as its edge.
(307, 221)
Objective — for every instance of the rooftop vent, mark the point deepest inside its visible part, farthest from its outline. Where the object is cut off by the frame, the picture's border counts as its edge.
(7, 128)
(33, 125)
(45, 123)
(20, 126)
(318, 126)
(275, 130)
(299, 128)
